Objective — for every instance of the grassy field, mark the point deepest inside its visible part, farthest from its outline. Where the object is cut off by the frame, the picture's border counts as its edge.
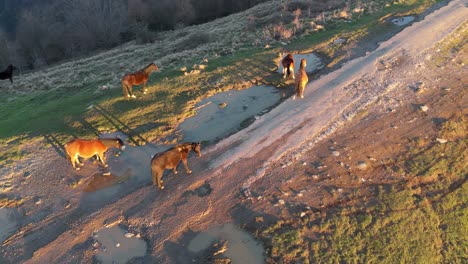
(82, 98)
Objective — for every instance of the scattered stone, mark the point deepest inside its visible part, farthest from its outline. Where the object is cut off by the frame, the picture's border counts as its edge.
(117, 245)
(304, 163)
(246, 192)
(339, 41)
(315, 177)
(281, 202)
(222, 105)
(128, 235)
(362, 165)
(303, 214)
(423, 108)
(340, 190)
(300, 194)
(335, 153)
(442, 140)
(184, 69)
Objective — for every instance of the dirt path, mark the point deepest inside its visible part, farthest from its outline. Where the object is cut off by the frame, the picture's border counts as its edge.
(169, 219)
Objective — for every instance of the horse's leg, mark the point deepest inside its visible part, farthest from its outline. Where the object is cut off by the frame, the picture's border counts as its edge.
(296, 86)
(102, 158)
(144, 87)
(157, 174)
(130, 91)
(74, 160)
(11, 79)
(124, 89)
(284, 72)
(186, 166)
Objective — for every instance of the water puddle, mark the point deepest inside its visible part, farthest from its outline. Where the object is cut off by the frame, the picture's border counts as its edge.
(314, 63)
(241, 247)
(9, 218)
(223, 113)
(118, 246)
(402, 21)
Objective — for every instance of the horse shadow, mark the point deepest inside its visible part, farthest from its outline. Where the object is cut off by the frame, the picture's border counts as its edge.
(56, 144)
(136, 138)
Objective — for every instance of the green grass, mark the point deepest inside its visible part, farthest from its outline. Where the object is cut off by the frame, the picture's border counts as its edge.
(171, 93)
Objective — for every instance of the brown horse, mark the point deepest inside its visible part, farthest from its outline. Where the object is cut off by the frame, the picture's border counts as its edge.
(88, 148)
(137, 78)
(301, 80)
(170, 158)
(288, 66)
(8, 73)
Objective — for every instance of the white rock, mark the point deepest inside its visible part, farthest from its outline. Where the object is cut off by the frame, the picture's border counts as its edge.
(424, 108)
(303, 214)
(441, 140)
(281, 201)
(362, 165)
(128, 235)
(335, 153)
(117, 245)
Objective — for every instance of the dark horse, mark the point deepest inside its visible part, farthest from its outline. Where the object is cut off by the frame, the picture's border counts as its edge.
(288, 66)
(8, 73)
(87, 148)
(170, 158)
(137, 78)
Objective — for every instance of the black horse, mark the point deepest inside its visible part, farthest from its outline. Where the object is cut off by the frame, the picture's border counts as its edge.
(8, 73)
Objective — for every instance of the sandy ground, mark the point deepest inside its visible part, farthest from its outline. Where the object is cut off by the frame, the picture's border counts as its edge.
(288, 155)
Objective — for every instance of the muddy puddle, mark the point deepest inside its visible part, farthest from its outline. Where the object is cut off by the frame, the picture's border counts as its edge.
(115, 245)
(224, 113)
(314, 63)
(125, 173)
(9, 221)
(402, 21)
(241, 247)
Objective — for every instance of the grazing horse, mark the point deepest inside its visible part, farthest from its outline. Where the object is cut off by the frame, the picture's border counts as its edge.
(301, 80)
(8, 73)
(288, 66)
(137, 78)
(88, 148)
(170, 158)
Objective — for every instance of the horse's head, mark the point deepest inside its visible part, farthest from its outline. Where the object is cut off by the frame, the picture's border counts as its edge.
(152, 67)
(11, 67)
(196, 147)
(113, 142)
(303, 63)
(120, 144)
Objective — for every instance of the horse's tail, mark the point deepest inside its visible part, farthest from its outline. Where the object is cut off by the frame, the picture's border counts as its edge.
(67, 146)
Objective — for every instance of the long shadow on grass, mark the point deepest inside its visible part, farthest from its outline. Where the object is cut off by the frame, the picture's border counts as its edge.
(119, 125)
(56, 144)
